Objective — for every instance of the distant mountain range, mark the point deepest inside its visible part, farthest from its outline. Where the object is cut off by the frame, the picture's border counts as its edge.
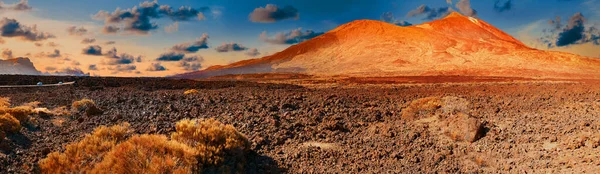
(24, 66)
(18, 66)
(454, 45)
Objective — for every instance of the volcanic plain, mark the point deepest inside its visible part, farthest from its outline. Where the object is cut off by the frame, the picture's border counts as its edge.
(514, 126)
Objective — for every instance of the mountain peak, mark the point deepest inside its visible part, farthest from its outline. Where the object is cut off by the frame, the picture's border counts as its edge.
(454, 14)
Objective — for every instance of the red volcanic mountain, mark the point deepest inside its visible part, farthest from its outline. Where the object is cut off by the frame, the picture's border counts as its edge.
(455, 45)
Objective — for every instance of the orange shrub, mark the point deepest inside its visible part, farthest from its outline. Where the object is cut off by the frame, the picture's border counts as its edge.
(81, 156)
(86, 105)
(421, 106)
(197, 146)
(21, 113)
(148, 154)
(215, 143)
(9, 124)
(191, 91)
(4, 102)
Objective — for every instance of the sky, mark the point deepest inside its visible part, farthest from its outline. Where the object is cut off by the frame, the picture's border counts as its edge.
(161, 38)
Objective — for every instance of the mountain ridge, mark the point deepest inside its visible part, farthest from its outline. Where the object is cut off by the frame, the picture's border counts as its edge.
(20, 65)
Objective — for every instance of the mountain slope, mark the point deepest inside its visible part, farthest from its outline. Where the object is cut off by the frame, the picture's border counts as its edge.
(455, 45)
(18, 66)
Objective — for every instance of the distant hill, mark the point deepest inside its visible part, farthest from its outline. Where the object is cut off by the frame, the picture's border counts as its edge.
(454, 45)
(18, 66)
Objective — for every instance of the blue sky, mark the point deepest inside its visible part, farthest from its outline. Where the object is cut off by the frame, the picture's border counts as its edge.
(228, 21)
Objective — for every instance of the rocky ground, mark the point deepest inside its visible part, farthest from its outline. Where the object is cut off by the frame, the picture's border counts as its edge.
(527, 127)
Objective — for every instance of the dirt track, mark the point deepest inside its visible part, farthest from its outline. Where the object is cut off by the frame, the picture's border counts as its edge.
(533, 127)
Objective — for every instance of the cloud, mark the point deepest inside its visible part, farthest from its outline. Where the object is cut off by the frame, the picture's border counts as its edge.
(502, 7)
(464, 6)
(253, 52)
(53, 54)
(292, 37)
(170, 56)
(232, 46)
(53, 44)
(22, 5)
(7, 53)
(156, 67)
(122, 69)
(172, 28)
(12, 28)
(201, 43)
(94, 50)
(137, 20)
(113, 58)
(110, 29)
(2, 41)
(75, 63)
(430, 13)
(271, 13)
(73, 30)
(449, 2)
(88, 41)
(70, 71)
(389, 18)
(193, 63)
(183, 13)
(93, 67)
(37, 44)
(574, 32)
(50, 68)
(109, 42)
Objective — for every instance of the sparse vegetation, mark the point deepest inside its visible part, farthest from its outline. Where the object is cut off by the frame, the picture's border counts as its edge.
(80, 156)
(215, 143)
(148, 154)
(196, 146)
(86, 105)
(191, 91)
(9, 124)
(421, 106)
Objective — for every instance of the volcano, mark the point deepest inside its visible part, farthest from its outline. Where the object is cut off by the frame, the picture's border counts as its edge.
(456, 45)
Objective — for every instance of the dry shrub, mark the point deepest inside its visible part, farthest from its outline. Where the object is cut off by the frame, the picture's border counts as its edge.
(421, 106)
(21, 113)
(4, 102)
(220, 147)
(60, 111)
(197, 146)
(33, 104)
(191, 91)
(86, 105)
(148, 154)
(82, 155)
(453, 105)
(9, 124)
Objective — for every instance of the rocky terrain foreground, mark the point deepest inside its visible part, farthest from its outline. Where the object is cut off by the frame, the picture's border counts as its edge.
(486, 127)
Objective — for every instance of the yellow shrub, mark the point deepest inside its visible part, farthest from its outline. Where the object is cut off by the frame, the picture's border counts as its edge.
(21, 113)
(197, 146)
(191, 91)
(33, 104)
(422, 105)
(81, 156)
(214, 142)
(9, 124)
(148, 154)
(86, 105)
(4, 102)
